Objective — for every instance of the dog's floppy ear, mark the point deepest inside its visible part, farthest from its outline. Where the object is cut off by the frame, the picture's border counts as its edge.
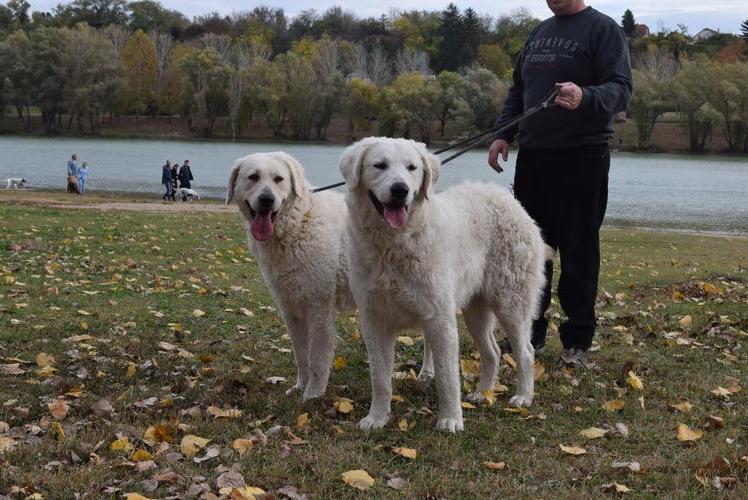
(431, 167)
(352, 161)
(298, 181)
(232, 181)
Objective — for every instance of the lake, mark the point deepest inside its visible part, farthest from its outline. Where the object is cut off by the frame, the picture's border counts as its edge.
(701, 193)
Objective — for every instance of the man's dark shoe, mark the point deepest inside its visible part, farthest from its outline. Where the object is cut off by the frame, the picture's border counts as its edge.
(574, 358)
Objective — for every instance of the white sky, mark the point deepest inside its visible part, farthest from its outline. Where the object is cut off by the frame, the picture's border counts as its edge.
(723, 15)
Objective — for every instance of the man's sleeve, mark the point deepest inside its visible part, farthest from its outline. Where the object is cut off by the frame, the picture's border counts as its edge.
(613, 71)
(514, 104)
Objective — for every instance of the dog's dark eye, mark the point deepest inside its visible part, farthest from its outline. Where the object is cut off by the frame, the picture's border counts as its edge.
(254, 177)
(380, 165)
(411, 167)
(278, 179)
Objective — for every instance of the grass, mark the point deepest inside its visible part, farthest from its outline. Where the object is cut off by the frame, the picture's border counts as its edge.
(140, 277)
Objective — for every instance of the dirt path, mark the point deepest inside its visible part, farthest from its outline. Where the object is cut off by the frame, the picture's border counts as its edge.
(105, 203)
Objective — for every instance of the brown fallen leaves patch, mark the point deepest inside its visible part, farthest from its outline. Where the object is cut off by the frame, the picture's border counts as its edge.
(242, 446)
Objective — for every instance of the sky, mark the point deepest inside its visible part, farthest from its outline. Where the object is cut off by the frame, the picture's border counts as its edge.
(722, 15)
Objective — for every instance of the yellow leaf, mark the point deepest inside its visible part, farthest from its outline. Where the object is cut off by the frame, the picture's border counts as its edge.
(593, 433)
(6, 444)
(614, 405)
(83, 313)
(682, 406)
(58, 409)
(221, 413)
(243, 493)
(489, 396)
(615, 488)
(339, 363)
(57, 431)
(635, 381)
(685, 433)
(135, 496)
(46, 372)
(686, 321)
(302, 422)
(9, 280)
(192, 444)
(494, 465)
(344, 406)
(44, 359)
(122, 444)
(141, 455)
(198, 313)
(75, 392)
(538, 371)
(402, 424)
(242, 445)
(468, 406)
(406, 452)
(721, 391)
(132, 369)
(573, 450)
(157, 434)
(406, 340)
(509, 360)
(398, 398)
(359, 479)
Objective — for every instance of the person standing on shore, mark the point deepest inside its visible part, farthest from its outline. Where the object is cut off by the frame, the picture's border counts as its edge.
(561, 177)
(174, 180)
(82, 177)
(166, 180)
(72, 173)
(185, 175)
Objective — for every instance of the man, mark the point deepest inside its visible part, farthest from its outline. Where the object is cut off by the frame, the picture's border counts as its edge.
(166, 180)
(563, 161)
(185, 175)
(72, 173)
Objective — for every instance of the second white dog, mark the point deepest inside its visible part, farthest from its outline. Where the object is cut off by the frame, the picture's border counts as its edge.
(417, 257)
(298, 239)
(187, 194)
(15, 183)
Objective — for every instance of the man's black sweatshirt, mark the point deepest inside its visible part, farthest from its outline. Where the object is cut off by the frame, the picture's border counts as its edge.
(587, 48)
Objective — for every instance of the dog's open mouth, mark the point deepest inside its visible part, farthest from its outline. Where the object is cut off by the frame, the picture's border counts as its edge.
(394, 214)
(261, 225)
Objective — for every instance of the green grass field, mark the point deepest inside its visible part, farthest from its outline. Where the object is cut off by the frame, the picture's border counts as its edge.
(153, 327)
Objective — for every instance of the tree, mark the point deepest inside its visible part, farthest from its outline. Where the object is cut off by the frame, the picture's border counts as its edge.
(149, 15)
(729, 96)
(204, 84)
(96, 13)
(15, 74)
(360, 105)
(485, 95)
(691, 89)
(46, 77)
(492, 56)
(452, 38)
(20, 10)
(271, 93)
(451, 104)
(628, 23)
(411, 102)
(140, 65)
(652, 96)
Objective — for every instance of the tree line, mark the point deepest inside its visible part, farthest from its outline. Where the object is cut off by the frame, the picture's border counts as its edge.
(410, 73)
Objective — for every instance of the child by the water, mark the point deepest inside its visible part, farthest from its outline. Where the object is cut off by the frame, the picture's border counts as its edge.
(82, 176)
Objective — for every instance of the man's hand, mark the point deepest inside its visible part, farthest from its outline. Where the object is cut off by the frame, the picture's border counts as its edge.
(569, 95)
(498, 146)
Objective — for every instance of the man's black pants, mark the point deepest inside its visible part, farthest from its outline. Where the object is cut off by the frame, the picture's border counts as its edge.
(566, 192)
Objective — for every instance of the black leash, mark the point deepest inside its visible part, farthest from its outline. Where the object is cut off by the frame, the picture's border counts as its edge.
(479, 138)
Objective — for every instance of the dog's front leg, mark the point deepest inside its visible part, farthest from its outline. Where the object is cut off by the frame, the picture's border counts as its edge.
(441, 335)
(321, 350)
(380, 348)
(298, 332)
(426, 375)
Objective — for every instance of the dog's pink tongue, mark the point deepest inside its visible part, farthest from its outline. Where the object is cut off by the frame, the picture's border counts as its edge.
(396, 217)
(262, 227)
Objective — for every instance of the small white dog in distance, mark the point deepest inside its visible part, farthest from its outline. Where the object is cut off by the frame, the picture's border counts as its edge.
(15, 183)
(187, 194)
(417, 257)
(298, 239)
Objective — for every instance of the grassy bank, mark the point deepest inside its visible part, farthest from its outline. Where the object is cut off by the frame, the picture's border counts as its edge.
(157, 326)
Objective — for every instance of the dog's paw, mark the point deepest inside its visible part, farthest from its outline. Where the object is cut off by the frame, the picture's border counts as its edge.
(299, 387)
(370, 422)
(520, 400)
(310, 393)
(476, 397)
(450, 424)
(425, 377)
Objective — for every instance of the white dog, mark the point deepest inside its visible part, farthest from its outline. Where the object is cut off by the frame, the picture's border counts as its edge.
(16, 183)
(416, 258)
(187, 194)
(299, 241)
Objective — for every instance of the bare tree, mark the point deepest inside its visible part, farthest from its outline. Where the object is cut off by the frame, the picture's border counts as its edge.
(118, 36)
(163, 43)
(220, 43)
(239, 63)
(378, 67)
(411, 60)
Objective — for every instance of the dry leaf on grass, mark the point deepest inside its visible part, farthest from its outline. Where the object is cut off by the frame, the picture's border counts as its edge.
(614, 405)
(141, 455)
(58, 408)
(494, 465)
(302, 421)
(229, 480)
(6, 444)
(359, 479)
(158, 434)
(242, 445)
(198, 313)
(44, 359)
(593, 433)
(344, 406)
(682, 406)
(224, 413)
(339, 363)
(406, 340)
(615, 488)
(634, 381)
(573, 450)
(122, 444)
(686, 434)
(632, 466)
(406, 452)
(686, 321)
(192, 444)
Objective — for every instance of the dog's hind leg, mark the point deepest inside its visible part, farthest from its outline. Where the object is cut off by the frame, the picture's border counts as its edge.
(441, 334)
(518, 332)
(321, 331)
(480, 322)
(300, 339)
(380, 348)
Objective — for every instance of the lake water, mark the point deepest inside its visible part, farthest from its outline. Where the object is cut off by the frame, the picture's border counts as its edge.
(704, 193)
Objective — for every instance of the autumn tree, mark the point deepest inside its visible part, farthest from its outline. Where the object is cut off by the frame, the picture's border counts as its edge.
(729, 96)
(492, 56)
(653, 95)
(450, 99)
(691, 88)
(140, 66)
(485, 95)
(411, 102)
(204, 84)
(361, 104)
(46, 76)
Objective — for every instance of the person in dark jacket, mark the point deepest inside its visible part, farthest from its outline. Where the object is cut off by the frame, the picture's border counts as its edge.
(166, 180)
(185, 175)
(174, 181)
(561, 177)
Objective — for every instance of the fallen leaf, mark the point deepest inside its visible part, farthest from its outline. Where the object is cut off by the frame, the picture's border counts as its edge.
(198, 313)
(58, 408)
(343, 406)
(224, 413)
(509, 360)
(339, 363)
(402, 424)
(686, 321)
(7, 444)
(155, 434)
(632, 466)
(192, 444)
(682, 406)
(406, 452)
(622, 429)
(57, 431)
(468, 406)
(615, 488)
(211, 451)
(593, 433)
(359, 479)
(614, 405)
(12, 369)
(132, 369)
(494, 465)
(721, 391)
(83, 312)
(228, 480)
(397, 483)
(573, 450)
(135, 496)
(714, 422)
(275, 380)
(686, 434)
(44, 359)
(302, 421)
(245, 493)
(405, 340)
(242, 445)
(122, 444)
(635, 382)
(141, 455)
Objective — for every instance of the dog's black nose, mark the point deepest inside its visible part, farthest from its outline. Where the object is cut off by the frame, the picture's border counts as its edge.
(266, 201)
(399, 190)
